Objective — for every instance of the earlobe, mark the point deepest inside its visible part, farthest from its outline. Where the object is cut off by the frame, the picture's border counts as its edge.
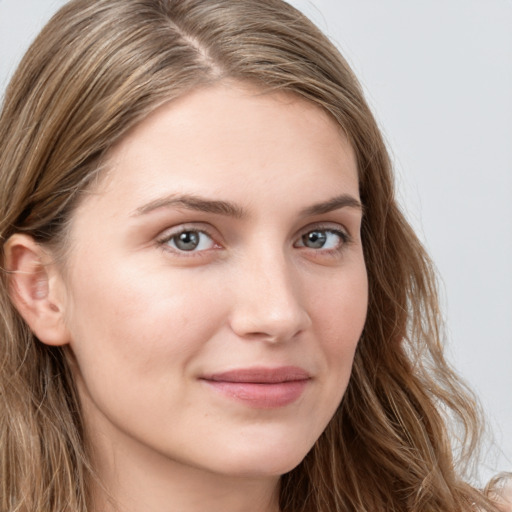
(34, 289)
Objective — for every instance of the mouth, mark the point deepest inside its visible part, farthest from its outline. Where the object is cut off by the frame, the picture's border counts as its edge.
(261, 388)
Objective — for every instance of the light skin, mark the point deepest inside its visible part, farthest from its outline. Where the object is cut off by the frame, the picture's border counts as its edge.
(225, 235)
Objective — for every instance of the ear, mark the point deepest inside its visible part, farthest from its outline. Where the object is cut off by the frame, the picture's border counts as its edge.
(36, 289)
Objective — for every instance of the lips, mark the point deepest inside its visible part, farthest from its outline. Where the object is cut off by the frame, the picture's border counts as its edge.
(264, 388)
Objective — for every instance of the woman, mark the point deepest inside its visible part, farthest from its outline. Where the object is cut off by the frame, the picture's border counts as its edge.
(211, 299)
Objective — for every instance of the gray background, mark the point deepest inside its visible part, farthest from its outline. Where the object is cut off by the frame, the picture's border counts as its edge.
(438, 75)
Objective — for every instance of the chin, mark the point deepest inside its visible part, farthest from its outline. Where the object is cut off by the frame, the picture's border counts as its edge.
(262, 461)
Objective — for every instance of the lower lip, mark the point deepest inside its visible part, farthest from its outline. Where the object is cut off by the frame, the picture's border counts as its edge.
(261, 395)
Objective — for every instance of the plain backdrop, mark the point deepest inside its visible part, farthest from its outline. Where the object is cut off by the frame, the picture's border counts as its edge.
(438, 76)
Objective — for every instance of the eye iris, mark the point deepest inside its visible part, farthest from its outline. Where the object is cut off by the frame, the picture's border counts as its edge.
(315, 239)
(187, 241)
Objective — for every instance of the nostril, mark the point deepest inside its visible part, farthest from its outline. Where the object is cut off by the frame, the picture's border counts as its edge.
(267, 337)
(271, 326)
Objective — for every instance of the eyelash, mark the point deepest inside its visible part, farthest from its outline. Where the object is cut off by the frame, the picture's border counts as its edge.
(164, 241)
(343, 235)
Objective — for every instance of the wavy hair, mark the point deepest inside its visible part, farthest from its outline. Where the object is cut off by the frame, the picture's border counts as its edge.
(97, 69)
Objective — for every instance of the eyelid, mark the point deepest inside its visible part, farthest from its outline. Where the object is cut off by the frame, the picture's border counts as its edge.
(163, 238)
(326, 226)
(339, 229)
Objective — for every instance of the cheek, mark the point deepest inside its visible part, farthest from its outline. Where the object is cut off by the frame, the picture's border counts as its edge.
(340, 306)
(339, 316)
(128, 325)
(135, 342)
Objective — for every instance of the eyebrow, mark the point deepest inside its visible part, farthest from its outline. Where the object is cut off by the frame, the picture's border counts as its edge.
(335, 203)
(202, 204)
(193, 202)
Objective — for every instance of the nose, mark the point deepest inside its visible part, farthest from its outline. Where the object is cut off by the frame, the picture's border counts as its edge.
(268, 304)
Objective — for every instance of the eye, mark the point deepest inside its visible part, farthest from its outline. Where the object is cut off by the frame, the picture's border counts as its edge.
(323, 239)
(189, 240)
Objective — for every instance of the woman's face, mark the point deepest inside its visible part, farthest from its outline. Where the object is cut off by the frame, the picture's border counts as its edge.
(216, 287)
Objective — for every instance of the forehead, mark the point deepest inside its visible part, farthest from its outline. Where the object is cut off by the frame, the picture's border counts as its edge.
(214, 138)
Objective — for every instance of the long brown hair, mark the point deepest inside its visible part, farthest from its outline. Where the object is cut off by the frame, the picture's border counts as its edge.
(98, 68)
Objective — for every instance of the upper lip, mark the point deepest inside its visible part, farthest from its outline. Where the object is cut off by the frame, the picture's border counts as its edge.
(260, 375)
